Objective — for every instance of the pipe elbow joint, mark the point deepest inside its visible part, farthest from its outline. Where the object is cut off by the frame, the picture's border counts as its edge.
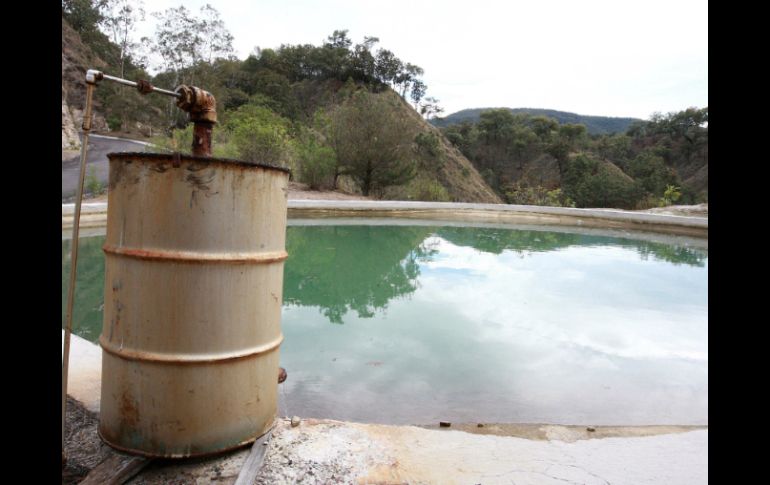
(93, 76)
(200, 104)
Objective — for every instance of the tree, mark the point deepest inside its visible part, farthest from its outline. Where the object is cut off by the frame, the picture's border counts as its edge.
(216, 41)
(407, 77)
(120, 22)
(496, 124)
(317, 162)
(387, 66)
(334, 55)
(338, 40)
(85, 16)
(418, 91)
(259, 135)
(616, 148)
(544, 127)
(651, 173)
(372, 139)
(363, 63)
(184, 40)
(573, 132)
(176, 39)
(591, 183)
(430, 108)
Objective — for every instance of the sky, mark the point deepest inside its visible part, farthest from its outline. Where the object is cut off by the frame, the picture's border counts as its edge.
(607, 58)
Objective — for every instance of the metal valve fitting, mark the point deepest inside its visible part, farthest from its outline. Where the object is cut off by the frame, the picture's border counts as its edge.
(200, 104)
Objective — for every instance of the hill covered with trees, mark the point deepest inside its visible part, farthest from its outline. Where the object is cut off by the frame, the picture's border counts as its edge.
(536, 160)
(596, 125)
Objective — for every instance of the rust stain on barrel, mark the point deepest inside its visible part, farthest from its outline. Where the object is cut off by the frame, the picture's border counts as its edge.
(128, 410)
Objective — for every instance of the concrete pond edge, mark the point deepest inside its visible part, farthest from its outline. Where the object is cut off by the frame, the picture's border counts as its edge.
(94, 215)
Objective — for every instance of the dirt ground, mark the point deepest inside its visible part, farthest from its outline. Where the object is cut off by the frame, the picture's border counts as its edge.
(298, 191)
(83, 447)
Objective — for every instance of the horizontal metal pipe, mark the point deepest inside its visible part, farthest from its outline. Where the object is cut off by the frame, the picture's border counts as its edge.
(133, 85)
(119, 80)
(165, 91)
(188, 359)
(197, 257)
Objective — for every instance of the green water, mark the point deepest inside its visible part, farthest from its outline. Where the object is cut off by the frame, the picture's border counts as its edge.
(415, 324)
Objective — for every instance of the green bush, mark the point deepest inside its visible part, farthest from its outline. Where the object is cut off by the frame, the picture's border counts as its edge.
(525, 195)
(260, 135)
(651, 172)
(179, 141)
(93, 185)
(114, 122)
(427, 144)
(591, 183)
(317, 165)
(427, 190)
(670, 195)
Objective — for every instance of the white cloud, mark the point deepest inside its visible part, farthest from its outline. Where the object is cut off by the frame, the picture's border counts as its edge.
(542, 301)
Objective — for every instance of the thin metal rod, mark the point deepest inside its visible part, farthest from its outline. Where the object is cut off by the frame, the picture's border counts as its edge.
(74, 259)
(119, 80)
(164, 91)
(133, 85)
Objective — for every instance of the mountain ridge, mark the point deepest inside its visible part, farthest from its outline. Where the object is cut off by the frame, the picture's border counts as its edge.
(596, 125)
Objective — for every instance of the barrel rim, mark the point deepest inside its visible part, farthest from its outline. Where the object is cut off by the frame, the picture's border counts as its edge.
(174, 456)
(169, 157)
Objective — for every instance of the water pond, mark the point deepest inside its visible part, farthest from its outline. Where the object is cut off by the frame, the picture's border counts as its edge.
(412, 324)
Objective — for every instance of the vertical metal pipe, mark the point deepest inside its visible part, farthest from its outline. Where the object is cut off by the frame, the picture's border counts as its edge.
(202, 133)
(74, 259)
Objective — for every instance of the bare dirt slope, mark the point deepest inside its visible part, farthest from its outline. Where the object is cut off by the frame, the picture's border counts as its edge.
(76, 59)
(457, 174)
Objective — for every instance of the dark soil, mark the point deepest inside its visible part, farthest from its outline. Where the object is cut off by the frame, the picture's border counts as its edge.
(83, 447)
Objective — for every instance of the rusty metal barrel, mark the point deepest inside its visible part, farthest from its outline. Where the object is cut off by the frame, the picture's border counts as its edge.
(192, 303)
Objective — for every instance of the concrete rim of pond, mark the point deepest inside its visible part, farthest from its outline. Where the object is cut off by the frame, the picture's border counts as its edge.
(94, 215)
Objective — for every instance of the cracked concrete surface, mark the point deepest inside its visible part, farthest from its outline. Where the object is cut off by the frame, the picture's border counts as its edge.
(325, 451)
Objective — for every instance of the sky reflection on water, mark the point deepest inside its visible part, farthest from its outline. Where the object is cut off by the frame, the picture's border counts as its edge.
(415, 324)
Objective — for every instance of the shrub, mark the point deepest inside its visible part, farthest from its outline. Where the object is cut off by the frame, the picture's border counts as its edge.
(670, 195)
(178, 141)
(317, 165)
(593, 184)
(428, 145)
(525, 195)
(114, 122)
(427, 190)
(93, 185)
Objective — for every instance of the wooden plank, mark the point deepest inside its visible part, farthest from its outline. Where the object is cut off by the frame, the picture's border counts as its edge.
(116, 470)
(253, 462)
